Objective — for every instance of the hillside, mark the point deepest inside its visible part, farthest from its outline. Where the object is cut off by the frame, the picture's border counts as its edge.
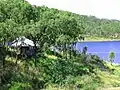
(46, 69)
(21, 13)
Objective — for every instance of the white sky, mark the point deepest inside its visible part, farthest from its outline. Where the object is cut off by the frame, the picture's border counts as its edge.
(109, 9)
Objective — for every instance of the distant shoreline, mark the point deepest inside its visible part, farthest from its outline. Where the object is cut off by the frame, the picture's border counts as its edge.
(98, 39)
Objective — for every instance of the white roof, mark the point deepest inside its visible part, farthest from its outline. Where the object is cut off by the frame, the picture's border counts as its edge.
(22, 41)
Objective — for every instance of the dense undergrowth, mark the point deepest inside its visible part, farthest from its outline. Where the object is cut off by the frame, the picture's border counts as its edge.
(60, 74)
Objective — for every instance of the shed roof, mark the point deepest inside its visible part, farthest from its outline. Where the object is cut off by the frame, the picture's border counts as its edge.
(22, 41)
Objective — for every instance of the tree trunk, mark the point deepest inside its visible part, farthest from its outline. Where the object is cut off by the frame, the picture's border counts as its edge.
(4, 53)
(35, 56)
(70, 51)
(66, 50)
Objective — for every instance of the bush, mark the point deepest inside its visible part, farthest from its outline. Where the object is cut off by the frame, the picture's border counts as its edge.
(20, 86)
(56, 71)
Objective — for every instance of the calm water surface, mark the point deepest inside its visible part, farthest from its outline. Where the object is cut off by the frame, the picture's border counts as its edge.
(102, 49)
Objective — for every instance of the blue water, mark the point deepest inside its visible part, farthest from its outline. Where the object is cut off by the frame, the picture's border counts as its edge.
(102, 49)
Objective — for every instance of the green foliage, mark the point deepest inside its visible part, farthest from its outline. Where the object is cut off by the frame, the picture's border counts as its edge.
(20, 86)
(50, 27)
(87, 82)
(111, 56)
(57, 71)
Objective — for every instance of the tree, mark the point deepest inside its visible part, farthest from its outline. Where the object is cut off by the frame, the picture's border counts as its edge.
(40, 32)
(111, 57)
(9, 30)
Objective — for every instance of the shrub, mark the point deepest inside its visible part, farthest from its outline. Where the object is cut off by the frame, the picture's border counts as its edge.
(56, 71)
(20, 86)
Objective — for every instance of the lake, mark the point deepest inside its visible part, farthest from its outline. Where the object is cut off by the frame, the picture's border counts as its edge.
(102, 49)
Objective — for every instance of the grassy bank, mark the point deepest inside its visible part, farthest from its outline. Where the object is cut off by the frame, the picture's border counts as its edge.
(55, 74)
(100, 39)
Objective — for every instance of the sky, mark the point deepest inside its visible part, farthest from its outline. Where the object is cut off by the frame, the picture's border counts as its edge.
(108, 9)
